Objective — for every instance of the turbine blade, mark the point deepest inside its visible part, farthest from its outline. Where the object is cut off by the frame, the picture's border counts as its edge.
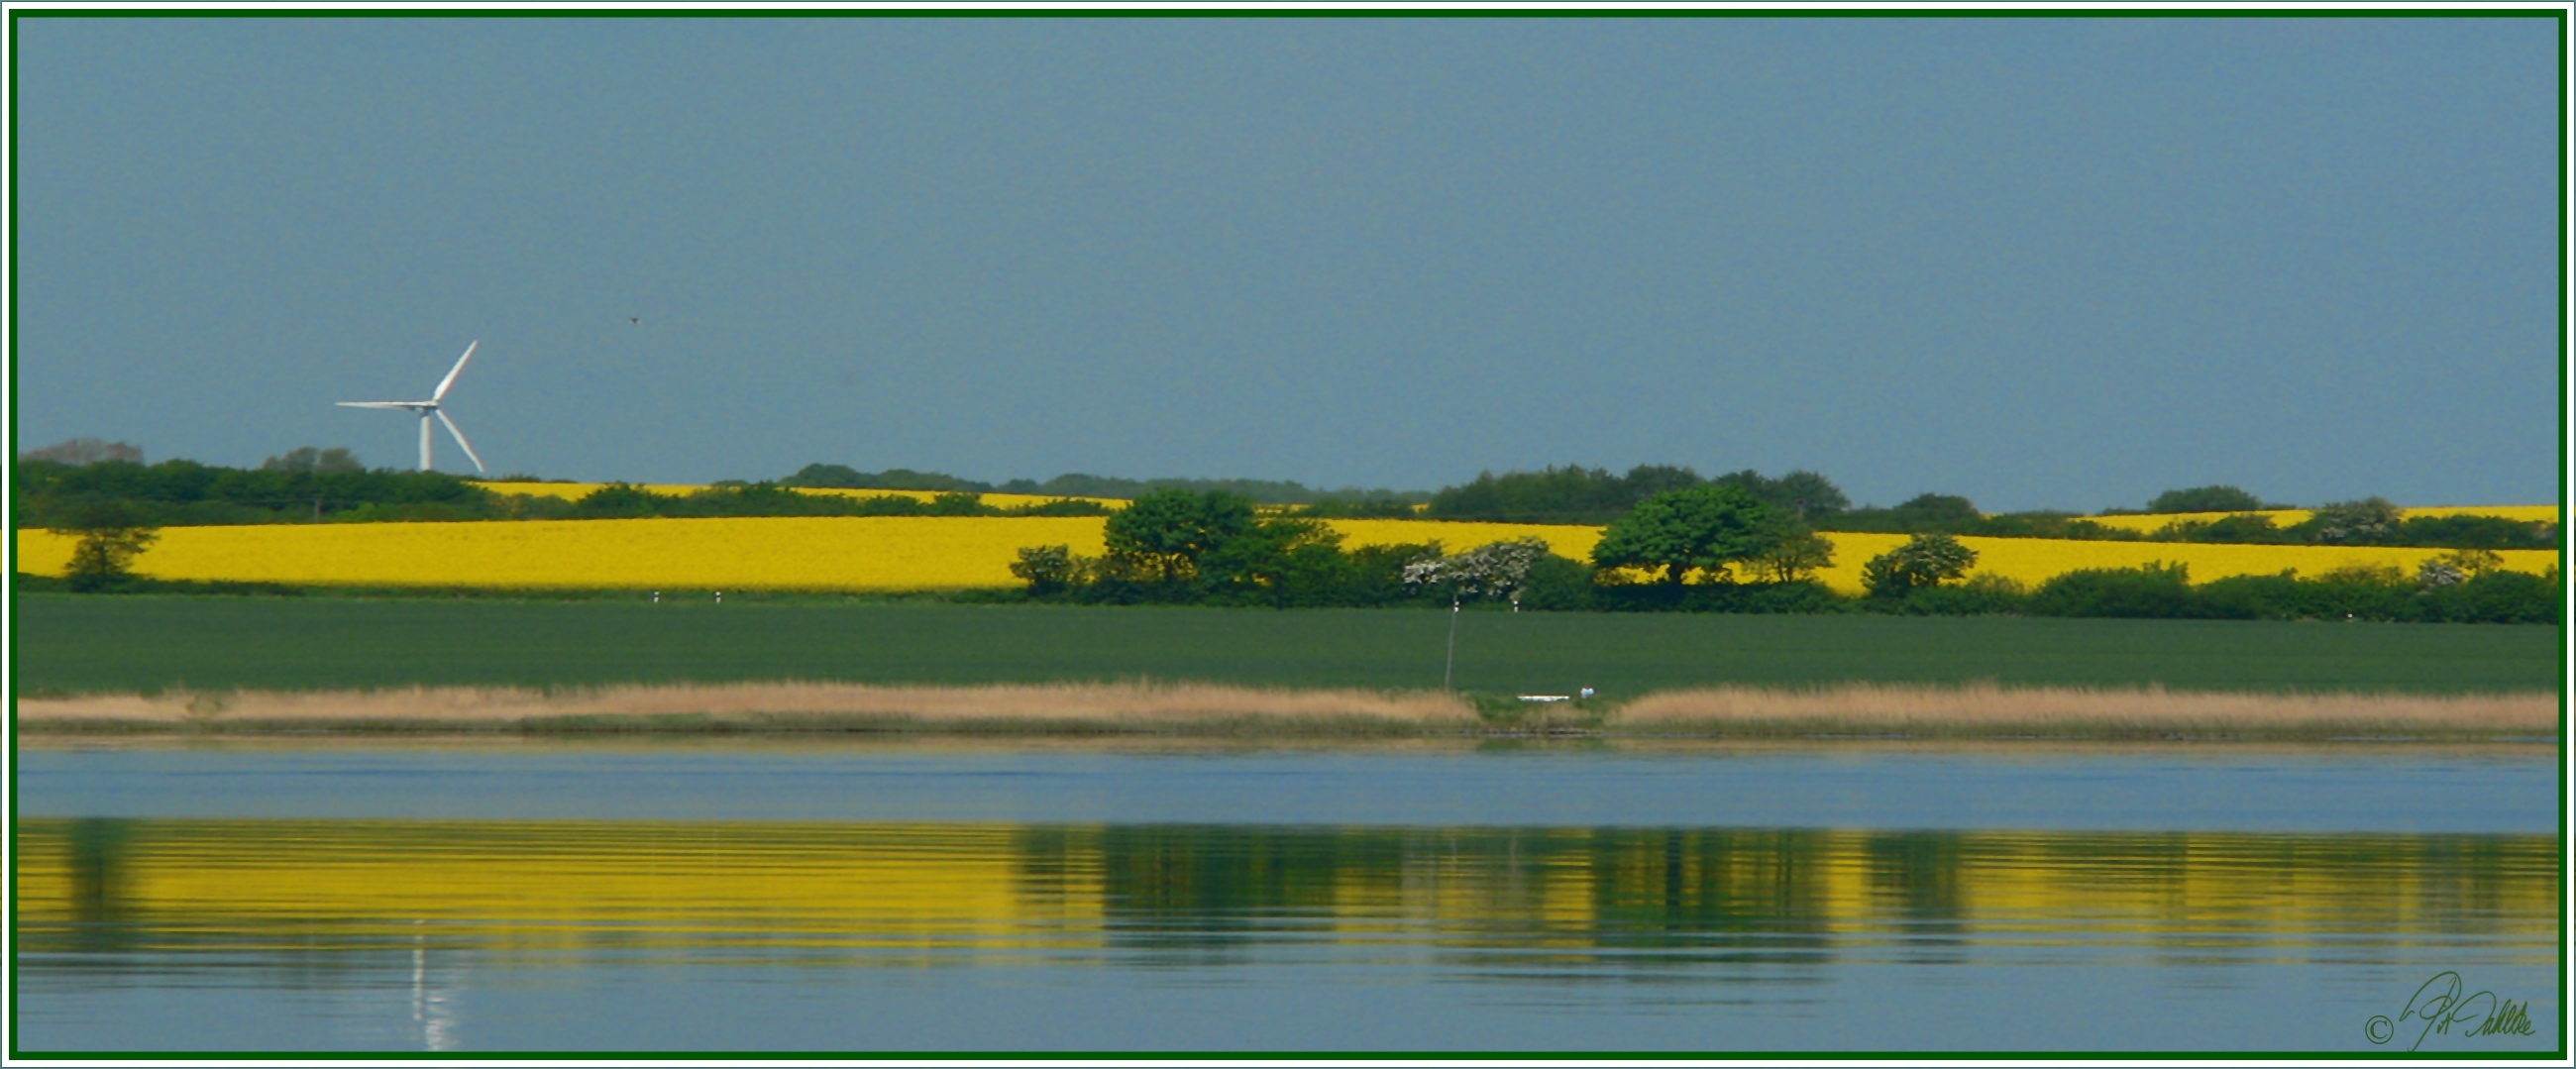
(450, 380)
(460, 439)
(380, 404)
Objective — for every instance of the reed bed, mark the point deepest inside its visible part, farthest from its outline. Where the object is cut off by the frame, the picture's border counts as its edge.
(1986, 710)
(1853, 710)
(1056, 708)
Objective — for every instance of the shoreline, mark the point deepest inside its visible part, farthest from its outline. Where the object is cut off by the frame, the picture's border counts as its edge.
(1852, 712)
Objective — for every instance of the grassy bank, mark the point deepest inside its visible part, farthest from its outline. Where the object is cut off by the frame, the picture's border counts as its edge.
(1204, 710)
(65, 644)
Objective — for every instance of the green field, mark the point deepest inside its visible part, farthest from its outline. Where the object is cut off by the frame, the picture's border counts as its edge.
(74, 644)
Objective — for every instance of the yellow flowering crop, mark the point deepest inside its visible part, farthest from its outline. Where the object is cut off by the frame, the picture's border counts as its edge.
(2035, 560)
(577, 491)
(1565, 541)
(785, 553)
(935, 552)
(2289, 517)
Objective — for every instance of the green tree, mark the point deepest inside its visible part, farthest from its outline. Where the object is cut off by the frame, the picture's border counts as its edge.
(112, 534)
(1926, 560)
(1171, 530)
(1802, 494)
(79, 452)
(1048, 569)
(2353, 521)
(2206, 499)
(1274, 559)
(1797, 555)
(1706, 529)
(308, 458)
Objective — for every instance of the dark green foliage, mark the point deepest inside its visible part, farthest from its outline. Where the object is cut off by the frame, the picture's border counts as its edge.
(1169, 530)
(1266, 491)
(2208, 499)
(185, 493)
(1388, 507)
(1278, 561)
(2360, 522)
(1706, 530)
(80, 451)
(2366, 526)
(2149, 591)
(620, 501)
(146, 643)
(1181, 547)
(1570, 494)
(1559, 584)
(309, 458)
(1803, 495)
(1047, 569)
(1926, 560)
(2498, 597)
(1797, 597)
(843, 477)
(1796, 556)
(2241, 530)
(1922, 514)
(112, 533)
(1575, 494)
(1984, 595)
(2382, 595)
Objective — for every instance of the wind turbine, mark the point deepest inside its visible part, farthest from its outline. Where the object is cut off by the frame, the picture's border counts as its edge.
(430, 408)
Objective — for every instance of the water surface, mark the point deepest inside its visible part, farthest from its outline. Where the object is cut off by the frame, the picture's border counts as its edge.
(936, 898)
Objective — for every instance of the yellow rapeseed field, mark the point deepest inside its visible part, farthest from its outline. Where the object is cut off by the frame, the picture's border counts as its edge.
(577, 491)
(925, 553)
(788, 553)
(2287, 517)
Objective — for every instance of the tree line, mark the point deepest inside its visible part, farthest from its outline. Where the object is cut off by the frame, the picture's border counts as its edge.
(314, 485)
(308, 485)
(1596, 496)
(1075, 484)
(1716, 547)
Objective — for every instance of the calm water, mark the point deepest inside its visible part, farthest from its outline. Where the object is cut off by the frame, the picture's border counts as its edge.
(922, 898)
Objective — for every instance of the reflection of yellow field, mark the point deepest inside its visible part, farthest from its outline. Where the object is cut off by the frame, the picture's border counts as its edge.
(940, 889)
(531, 885)
(576, 491)
(2287, 517)
(925, 553)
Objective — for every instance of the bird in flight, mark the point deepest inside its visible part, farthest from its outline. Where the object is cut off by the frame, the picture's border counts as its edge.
(632, 319)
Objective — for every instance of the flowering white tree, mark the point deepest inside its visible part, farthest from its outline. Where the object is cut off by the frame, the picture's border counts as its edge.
(1495, 569)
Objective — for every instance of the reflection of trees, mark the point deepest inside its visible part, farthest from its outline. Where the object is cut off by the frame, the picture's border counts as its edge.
(1916, 877)
(1213, 893)
(310, 898)
(1727, 894)
(99, 905)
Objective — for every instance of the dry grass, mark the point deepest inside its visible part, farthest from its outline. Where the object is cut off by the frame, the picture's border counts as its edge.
(2067, 712)
(1142, 708)
(1185, 709)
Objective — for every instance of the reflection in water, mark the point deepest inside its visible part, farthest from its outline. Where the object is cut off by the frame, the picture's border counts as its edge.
(424, 909)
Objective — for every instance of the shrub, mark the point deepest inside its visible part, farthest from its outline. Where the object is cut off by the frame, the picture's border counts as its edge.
(1984, 595)
(1924, 560)
(2154, 590)
(1048, 569)
(2206, 499)
(111, 535)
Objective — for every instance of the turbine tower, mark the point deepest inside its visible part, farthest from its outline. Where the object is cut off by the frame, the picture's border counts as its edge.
(430, 408)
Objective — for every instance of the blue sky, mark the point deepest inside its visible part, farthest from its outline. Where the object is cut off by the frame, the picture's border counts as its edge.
(2044, 263)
